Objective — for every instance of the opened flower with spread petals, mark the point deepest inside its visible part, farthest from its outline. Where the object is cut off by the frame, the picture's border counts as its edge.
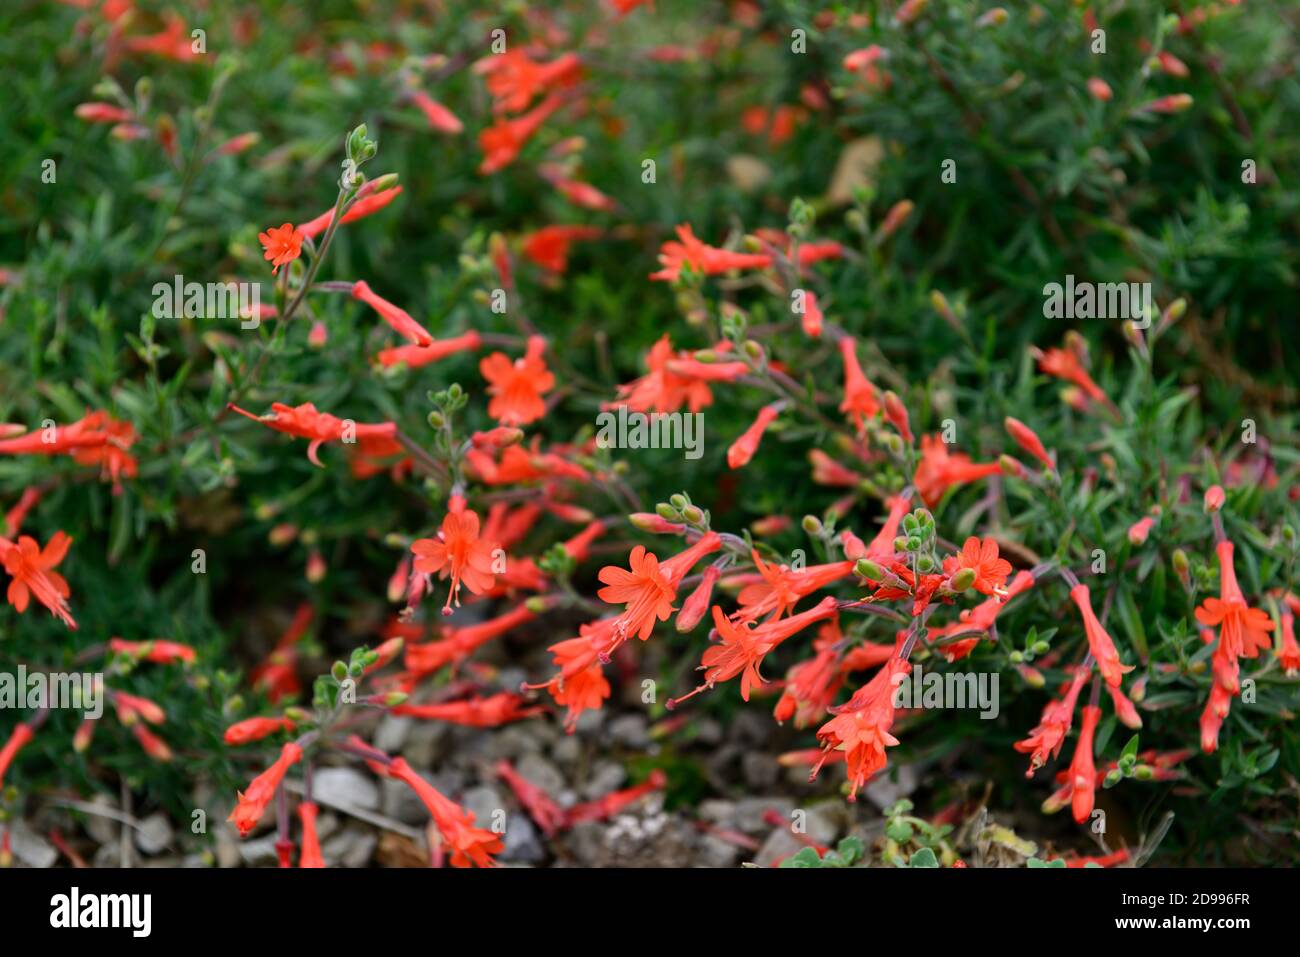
(282, 245)
(31, 569)
(457, 552)
(517, 387)
(990, 571)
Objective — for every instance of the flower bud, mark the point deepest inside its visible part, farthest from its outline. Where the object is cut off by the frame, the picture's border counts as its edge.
(1214, 497)
(963, 579)
(869, 570)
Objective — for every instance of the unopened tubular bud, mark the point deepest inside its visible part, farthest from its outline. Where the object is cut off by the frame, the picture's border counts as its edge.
(812, 524)
(1214, 498)
(693, 514)
(666, 511)
(1182, 567)
(964, 579)
(1010, 466)
(869, 570)
(697, 603)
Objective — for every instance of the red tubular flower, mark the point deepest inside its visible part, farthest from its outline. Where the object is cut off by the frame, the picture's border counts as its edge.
(514, 79)
(306, 422)
(458, 644)
(1125, 710)
(129, 707)
(1045, 741)
(502, 142)
(517, 387)
(860, 728)
(782, 587)
(457, 552)
(743, 645)
(1139, 530)
(470, 846)
(990, 571)
(896, 414)
(1083, 773)
(700, 257)
(743, 449)
(548, 815)
(152, 745)
(812, 316)
(697, 604)
(1174, 103)
(440, 118)
(1065, 364)
(940, 469)
(490, 712)
(649, 587)
(13, 519)
(255, 729)
(415, 356)
(1028, 440)
(1099, 89)
(158, 651)
(1099, 642)
(860, 397)
(582, 194)
(580, 685)
(811, 685)
(253, 802)
(548, 247)
(1213, 499)
(401, 320)
(579, 546)
(21, 735)
(708, 371)
(371, 198)
(661, 389)
(277, 675)
(606, 807)
(1288, 656)
(31, 569)
(283, 245)
(826, 471)
(103, 113)
(311, 856)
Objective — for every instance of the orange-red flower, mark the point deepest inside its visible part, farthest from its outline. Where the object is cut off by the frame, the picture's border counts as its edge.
(1065, 364)
(306, 422)
(1083, 772)
(700, 257)
(940, 469)
(781, 587)
(469, 845)
(311, 856)
(253, 802)
(517, 387)
(158, 651)
(282, 245)
(1045, 741)
(1288, 656)
(459, 552)
(743, 449)
(440, 118)
(661, 389)
(990, 571)
(514, 79)
(1243, 631)
(255, 729)
(414, 356)
(371, 198)
(402, 321)
(489, 712)
(31, 569)
(21, 735)
(1099, 642)
(548, 247)
(648, 587)
(580, 684)
(502, 141)
(743, 645)
(1028, 440)
(861, 727)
